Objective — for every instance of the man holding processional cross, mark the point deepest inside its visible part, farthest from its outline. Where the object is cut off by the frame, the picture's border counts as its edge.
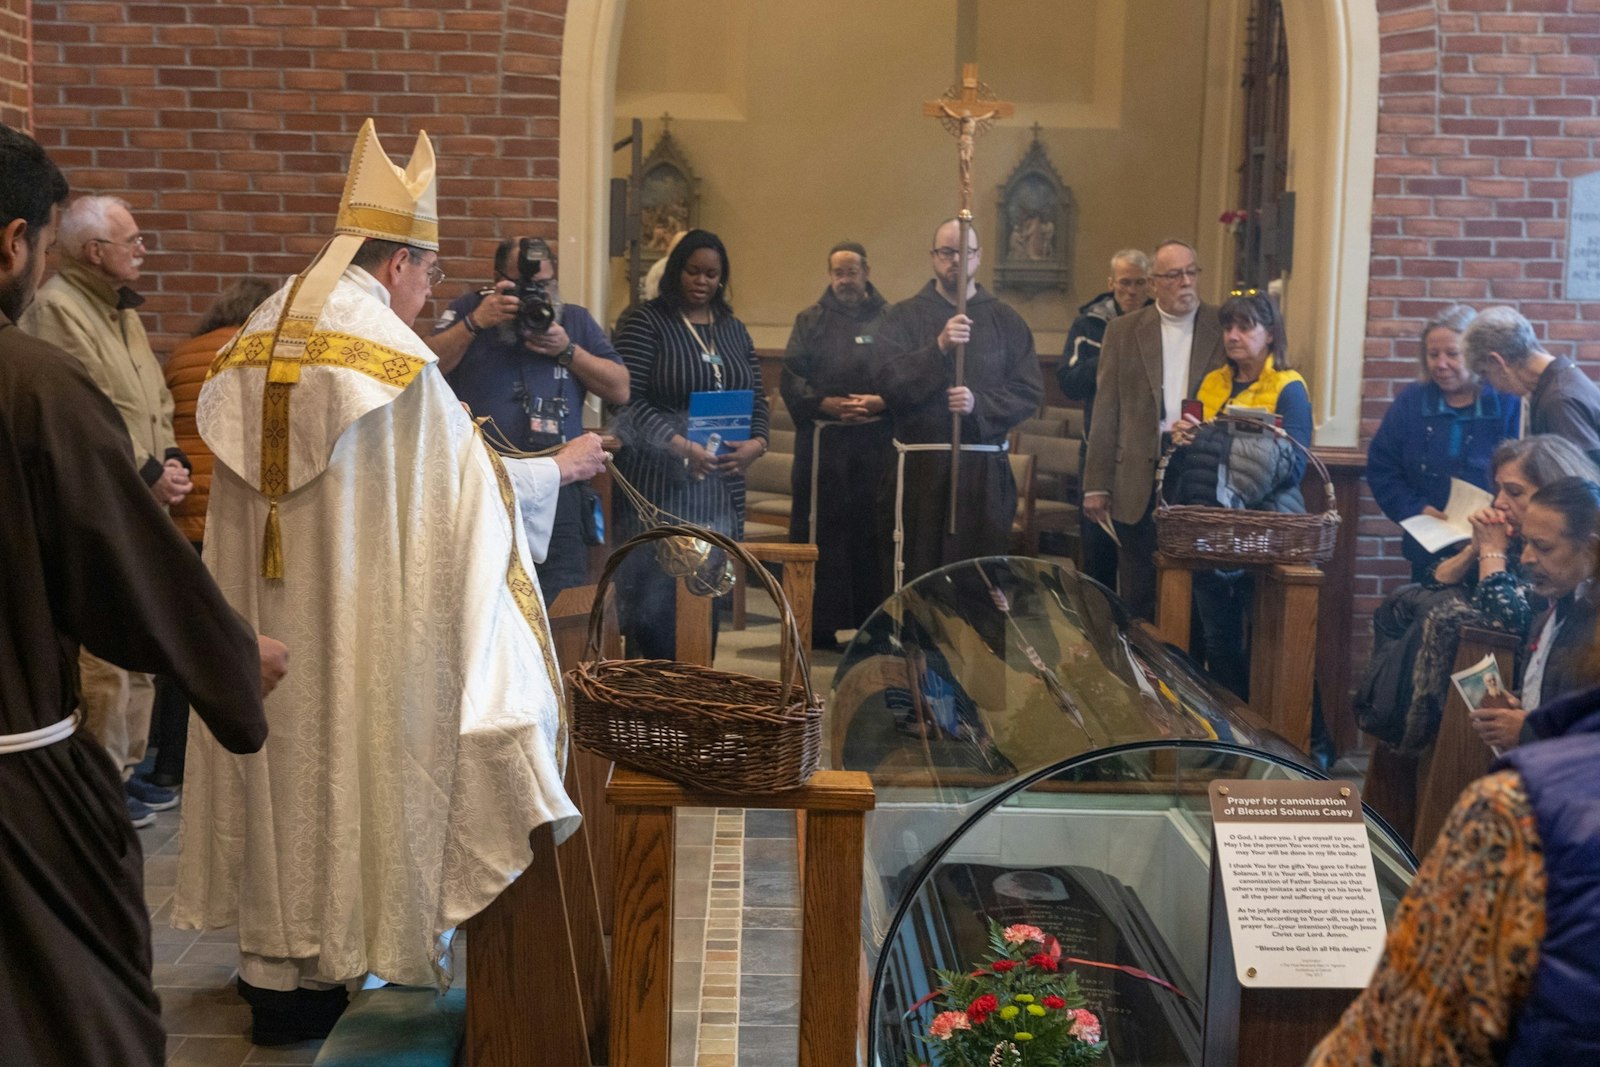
(957, 371)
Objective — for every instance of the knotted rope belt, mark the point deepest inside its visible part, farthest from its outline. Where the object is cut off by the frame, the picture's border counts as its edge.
(45, 735)
(816, 463)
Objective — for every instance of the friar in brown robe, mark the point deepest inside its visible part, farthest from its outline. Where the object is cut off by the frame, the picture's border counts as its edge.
(90, 559)
(916, 378)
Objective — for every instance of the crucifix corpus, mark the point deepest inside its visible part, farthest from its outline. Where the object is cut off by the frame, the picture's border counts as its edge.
(965, 111)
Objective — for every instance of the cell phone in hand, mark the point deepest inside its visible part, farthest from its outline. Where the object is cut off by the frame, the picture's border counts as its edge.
(1193, 410)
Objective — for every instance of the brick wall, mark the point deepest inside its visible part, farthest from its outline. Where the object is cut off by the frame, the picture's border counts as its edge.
(227, 123)
(14, 63)
(1487, 111)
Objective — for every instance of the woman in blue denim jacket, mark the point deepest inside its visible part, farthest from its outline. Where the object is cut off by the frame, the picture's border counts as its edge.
(1442, 427)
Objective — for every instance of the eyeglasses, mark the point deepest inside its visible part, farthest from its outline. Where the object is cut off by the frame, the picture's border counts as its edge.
(1132, 283)
(435, 276)
(1191, 273)
(948, 254)
(136, 241)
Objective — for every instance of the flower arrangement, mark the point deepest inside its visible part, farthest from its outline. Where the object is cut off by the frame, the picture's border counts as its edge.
(1017, 1008)
(1234, 220)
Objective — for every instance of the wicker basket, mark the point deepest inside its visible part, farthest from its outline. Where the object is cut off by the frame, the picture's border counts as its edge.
(713, 730)
(1237, 536)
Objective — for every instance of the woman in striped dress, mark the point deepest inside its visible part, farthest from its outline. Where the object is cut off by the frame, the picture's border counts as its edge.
(685, 341)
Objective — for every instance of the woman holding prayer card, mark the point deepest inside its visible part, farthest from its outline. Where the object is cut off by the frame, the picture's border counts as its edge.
(1442, 427)
(684, 342)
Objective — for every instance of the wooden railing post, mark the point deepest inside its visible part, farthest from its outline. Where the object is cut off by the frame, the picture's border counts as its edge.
(1283, 649)
(1174, 591)
(641, 938)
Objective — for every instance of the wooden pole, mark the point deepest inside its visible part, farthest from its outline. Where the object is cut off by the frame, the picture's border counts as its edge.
(965, 218)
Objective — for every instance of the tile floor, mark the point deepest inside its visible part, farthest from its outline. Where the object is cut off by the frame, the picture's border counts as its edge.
(736, 943)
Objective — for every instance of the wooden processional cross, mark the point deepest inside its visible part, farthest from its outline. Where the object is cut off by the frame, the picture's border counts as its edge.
(965, 112)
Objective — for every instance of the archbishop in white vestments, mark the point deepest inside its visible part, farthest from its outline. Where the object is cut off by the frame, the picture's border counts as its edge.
(418, 738)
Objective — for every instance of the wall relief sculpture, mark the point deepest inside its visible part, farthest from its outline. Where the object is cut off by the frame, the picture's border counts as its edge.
(669, 197)
(1037, 215)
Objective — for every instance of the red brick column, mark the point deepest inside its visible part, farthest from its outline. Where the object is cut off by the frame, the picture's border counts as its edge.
(227, 124)
(14, 74)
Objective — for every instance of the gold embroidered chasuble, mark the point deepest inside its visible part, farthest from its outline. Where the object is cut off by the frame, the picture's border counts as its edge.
(418, 736)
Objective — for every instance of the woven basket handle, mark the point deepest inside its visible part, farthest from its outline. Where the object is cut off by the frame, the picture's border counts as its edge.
(795, 669)
(1322, 471)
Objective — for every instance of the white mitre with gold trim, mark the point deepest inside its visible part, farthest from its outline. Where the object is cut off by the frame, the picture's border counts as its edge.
(306, 328)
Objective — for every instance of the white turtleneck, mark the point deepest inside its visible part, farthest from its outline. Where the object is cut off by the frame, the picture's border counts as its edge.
(1177, 342)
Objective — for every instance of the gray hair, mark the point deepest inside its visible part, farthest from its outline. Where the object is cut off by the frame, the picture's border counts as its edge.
(1452, 317)
(1545, 458)
(1501, 331)
(86, 219)
(1174, 241)
(1133, 256)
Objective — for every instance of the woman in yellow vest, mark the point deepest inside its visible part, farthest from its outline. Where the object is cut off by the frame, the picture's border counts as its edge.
(1256, 378)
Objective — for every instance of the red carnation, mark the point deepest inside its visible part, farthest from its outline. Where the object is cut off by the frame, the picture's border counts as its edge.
(1044, 961)
(1002, 966)
(1054, 1003)
(980, 1009)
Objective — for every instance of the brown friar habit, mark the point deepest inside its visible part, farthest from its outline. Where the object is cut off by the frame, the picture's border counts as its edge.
(1002, 371)
(830, 353)
(91, 559)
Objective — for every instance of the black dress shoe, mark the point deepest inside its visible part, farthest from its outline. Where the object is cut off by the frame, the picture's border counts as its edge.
(285, 1018)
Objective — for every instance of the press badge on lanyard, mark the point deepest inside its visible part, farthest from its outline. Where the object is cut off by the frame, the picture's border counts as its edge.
(708, 345)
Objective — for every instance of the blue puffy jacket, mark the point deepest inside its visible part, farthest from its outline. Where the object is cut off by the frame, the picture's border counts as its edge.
(1410, 461)
(1558, 1024)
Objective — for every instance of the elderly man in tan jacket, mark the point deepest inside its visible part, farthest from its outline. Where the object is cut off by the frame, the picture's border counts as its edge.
(87, 310)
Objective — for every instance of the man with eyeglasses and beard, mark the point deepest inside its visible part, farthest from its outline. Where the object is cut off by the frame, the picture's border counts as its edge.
(533, 388)
(916, 378)
(88, 310)
(1150, 362)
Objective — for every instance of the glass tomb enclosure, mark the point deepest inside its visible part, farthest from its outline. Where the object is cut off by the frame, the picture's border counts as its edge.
(1039, 759)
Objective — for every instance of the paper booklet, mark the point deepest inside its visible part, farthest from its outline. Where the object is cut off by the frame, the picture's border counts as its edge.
(724, 415)
(1480, 686)
(1436, 534)
(1105, 524)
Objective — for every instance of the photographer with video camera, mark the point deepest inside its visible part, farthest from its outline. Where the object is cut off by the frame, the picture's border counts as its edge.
(514, 351)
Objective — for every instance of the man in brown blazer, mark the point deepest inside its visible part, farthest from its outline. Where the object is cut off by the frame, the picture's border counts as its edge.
(1150, 362)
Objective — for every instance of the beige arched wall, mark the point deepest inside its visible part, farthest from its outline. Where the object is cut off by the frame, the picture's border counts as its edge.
(1333, 130)
(1334, 49)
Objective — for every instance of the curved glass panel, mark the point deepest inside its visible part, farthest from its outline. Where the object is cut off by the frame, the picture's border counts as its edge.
(1039, 760)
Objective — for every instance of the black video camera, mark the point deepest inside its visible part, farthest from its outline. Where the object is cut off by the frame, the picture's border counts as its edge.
(537, 311)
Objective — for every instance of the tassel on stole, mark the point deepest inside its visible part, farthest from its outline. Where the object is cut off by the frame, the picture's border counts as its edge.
(272, 545)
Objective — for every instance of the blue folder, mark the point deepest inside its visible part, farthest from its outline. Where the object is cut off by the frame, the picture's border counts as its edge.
(726, 414)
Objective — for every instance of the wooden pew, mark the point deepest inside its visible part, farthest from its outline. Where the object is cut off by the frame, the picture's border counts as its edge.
(1458, 755)
(541, 941)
